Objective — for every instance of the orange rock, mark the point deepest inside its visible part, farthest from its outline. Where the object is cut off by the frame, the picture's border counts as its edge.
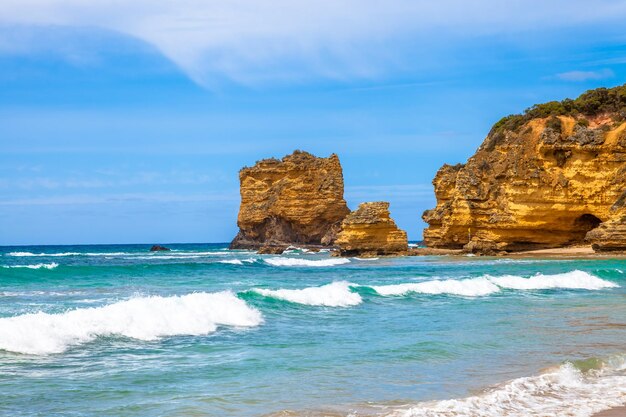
(370, 231)
(294, 201)
(546, 183)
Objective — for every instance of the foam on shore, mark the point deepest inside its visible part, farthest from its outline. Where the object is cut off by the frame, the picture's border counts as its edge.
(565, 391)
(143, 318)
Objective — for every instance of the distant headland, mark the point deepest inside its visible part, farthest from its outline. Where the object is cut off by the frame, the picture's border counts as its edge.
(552, 177)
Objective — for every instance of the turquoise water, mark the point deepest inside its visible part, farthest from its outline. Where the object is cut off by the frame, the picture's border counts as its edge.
(115, 330)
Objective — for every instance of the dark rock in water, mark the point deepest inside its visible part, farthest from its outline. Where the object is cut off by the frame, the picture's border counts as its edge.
(158, 248)
(271, 250)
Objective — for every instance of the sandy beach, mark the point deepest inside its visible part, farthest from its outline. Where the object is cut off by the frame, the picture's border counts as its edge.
(613, 412)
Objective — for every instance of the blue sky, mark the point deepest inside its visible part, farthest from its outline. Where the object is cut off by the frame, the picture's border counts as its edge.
(128, 121)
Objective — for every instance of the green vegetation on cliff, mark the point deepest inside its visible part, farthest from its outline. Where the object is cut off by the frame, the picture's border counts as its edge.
(591, 103)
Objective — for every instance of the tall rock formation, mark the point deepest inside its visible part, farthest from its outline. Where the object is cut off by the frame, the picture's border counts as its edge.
(551, 177)
(294, 201)
(370, 231)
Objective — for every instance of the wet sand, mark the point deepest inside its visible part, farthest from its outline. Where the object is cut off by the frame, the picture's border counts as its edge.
(613, 412)
(571, 252)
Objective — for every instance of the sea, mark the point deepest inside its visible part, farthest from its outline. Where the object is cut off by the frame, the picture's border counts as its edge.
(117, 330)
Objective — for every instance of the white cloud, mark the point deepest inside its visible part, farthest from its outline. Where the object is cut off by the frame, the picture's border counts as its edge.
(257, 40)
(580, 76)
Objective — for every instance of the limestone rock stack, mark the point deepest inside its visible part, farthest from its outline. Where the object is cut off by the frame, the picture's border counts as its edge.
(370, 231)
(552, 177)
(294, 201)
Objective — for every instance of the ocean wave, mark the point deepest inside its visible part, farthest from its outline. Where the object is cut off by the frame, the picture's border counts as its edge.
(143, 318)
(559, 392)
(51, 265)
(237, 261)
(569, 280)
(139, 255)
(486, 285)
(306, 262)
(473, 287)
(30, 254)
(335, 294)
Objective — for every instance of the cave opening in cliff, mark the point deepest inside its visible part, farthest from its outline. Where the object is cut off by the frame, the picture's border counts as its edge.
(584, 224)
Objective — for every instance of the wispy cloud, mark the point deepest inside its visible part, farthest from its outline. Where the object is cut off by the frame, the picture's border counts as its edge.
(256, 40)
(90, 199)
(581, 76)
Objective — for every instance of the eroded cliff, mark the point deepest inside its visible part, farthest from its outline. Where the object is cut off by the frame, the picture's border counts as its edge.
(294, 201)
(551, 177)
(370, 231)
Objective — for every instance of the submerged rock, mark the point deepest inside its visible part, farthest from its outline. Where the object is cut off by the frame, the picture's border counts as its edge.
(539, 181)
(158, 248)
(272, 250)
(370, 231)
(294, 201)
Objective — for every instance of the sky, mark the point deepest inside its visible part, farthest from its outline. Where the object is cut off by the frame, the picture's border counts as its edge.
(128, 121)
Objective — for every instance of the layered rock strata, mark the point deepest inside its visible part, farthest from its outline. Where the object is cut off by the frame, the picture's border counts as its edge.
(294, 201)
(539, 182)
(370, 231)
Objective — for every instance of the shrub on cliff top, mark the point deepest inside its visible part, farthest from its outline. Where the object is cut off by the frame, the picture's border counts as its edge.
(590, 103)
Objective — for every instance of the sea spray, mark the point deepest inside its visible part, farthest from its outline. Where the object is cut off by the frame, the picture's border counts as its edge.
(143, 318)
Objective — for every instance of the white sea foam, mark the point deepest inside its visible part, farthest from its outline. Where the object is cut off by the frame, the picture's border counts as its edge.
(366, 259)
(568, 280)
(238, 261)
(562, 392)
(140, 255)
(306, 262)
(474, 287)
(143, 318)
(336, 294)
(232, 261)
(51, 265)
(30, 254)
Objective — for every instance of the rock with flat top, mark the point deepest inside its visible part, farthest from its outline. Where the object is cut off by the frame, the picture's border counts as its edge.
(369, 231)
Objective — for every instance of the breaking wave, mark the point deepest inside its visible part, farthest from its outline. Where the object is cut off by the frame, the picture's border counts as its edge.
(143, 318)
(466, 287)
(475, 287)
(559, 392)
(306, 262)
(568, 280)
(51, 265)
(335, 294)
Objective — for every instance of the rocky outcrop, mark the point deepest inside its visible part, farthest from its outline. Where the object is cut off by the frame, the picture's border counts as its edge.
(370, 231)
(159, 248)
(552, 177)
(294, 201)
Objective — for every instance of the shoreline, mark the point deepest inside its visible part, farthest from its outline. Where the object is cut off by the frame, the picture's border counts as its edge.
(568, 252)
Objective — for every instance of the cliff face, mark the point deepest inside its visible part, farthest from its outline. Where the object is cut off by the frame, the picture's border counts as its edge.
(370, 231)
(538, 182)
(294, 201)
